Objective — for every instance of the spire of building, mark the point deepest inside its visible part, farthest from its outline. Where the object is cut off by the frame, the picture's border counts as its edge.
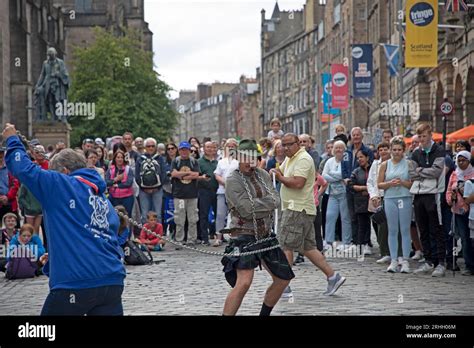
(276, 11)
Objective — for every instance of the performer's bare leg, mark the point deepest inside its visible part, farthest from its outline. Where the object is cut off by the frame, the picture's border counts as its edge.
(236, 295)
(316, 258)
(275, 290)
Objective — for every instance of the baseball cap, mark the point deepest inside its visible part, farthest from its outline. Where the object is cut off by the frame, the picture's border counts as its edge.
(99, 141)
(248, 146)
(34, 142)
(184, 145)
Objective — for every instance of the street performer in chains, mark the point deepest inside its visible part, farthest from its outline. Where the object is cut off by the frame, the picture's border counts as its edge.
(252, 200)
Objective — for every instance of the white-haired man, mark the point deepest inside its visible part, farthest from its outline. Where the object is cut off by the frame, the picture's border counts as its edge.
(150, 175)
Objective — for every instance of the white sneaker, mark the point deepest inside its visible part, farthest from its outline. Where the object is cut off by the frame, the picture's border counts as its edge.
(367, 250)
(405, 267)
(393, 267)
(418, 255)
(422, 260)
(340, 247)
(439, 271)
(400, 260)
(287, 293)
(384, 259)
(424, 268)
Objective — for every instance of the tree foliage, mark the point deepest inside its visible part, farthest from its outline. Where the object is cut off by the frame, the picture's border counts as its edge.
(117, 74)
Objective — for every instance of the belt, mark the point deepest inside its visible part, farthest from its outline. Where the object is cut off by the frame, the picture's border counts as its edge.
(235, 232)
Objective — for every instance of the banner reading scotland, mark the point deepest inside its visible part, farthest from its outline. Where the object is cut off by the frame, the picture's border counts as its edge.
(362, 67)
(340, 86)
(421, 34)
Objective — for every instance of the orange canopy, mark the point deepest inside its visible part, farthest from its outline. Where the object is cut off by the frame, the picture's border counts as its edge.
(461, 134)
(436, 137)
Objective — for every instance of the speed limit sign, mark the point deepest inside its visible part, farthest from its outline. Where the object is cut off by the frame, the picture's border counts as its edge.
(446, 108)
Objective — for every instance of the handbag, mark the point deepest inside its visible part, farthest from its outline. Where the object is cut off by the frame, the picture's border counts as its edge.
(379, 216)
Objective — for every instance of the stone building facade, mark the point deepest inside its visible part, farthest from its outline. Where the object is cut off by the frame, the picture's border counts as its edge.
(220, 110)
(29, 27)
(297, 46)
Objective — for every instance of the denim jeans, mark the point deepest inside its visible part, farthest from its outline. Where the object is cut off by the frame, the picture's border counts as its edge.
(338, 204)
(151, 202)
(462, 226)
(104, 300)
(398, 212)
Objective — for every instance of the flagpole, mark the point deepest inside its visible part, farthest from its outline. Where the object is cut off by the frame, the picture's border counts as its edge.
(401, 59)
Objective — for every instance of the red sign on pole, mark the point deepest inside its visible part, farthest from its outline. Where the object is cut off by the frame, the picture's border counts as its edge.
(340, 86)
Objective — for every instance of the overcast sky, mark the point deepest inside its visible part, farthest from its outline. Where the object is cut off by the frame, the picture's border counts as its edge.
(206, 41)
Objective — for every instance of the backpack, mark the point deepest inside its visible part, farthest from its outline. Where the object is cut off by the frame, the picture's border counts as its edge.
(149, 172)
(135, 256)
(21, 268)
(192, 159)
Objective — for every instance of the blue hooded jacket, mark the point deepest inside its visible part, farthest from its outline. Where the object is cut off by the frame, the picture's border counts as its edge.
(35, 245)
(81, 225)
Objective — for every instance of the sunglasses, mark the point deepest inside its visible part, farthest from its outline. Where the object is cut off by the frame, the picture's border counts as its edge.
(151, 146)
(171, 148)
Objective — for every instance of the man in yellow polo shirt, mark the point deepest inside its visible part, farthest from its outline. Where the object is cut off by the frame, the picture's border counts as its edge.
(297, 175)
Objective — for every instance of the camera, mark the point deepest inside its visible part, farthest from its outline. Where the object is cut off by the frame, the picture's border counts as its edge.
(168, 173)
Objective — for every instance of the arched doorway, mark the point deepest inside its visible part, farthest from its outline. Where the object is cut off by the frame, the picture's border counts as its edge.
(438, 116)
(470, 97)
(457, 121)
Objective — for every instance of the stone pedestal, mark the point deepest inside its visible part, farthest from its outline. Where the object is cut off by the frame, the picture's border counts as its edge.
(52, 132)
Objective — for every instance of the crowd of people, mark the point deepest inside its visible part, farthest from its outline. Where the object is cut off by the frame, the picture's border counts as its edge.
(417, 199)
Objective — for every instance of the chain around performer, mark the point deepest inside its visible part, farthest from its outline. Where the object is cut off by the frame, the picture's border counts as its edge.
(252, 200)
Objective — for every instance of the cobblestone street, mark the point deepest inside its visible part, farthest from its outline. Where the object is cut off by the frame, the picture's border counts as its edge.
(189, 283)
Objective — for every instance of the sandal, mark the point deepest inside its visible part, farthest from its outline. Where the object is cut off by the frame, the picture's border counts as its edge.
(217, 243)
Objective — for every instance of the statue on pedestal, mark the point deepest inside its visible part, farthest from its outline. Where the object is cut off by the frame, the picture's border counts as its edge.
(51, 89)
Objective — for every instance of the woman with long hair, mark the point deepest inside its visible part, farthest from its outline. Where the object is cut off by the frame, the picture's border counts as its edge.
(394, 179)
(224, 168)
(102, 162)
(119, 179)
(358, 186)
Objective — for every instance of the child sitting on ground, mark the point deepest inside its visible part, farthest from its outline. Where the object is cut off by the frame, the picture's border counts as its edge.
(8, 231)
(149, 240)
(26, 243)
(123, 231)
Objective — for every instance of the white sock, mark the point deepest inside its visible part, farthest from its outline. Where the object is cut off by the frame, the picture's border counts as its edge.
(333, 276)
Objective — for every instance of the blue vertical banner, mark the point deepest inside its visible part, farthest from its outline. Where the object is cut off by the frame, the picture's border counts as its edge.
(327, 95)
(362, 71)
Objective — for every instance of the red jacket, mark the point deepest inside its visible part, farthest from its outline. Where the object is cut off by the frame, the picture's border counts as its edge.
(145, 236)
(14, 186)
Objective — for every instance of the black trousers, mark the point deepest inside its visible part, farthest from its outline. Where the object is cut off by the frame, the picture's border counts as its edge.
(354, 220)
(363, 224)
(429, 221)
(317, 229)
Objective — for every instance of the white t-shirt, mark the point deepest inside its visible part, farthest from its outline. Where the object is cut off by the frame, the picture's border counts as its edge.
(468, 190)
(224, 167)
